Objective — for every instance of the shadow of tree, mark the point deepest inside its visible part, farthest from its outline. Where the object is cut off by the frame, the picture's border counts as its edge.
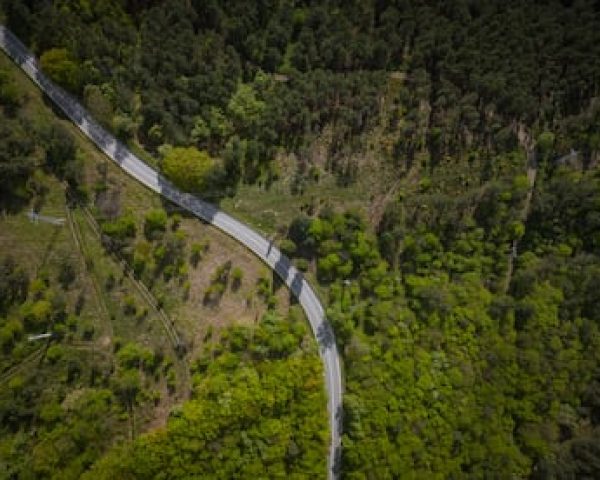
(325, 335)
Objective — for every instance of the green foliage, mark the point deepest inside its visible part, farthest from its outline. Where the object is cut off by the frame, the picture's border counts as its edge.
(60, 152)
(240, 80)
(516, 230)
(189, 168)
(245, 110)
(566, 212)
(127, 385)
(155, 222)
(445, 361)
(16, 384)
(133, 355)
(288, 246)
(197, 252)
(129, 305)
(10, 96)
(71, 432)
(17, 163)
(10, 332)
(14, 284)
(175, 221)
(60, 67)
(545, 143)
(67, 273)
(55, 353)
(120, 229)
(37, 314)
(257, 410)
(99, 105)
(342, 247)
(237, 276)
(302, 264)
(27, 148)
(218, 283)
(118, 233)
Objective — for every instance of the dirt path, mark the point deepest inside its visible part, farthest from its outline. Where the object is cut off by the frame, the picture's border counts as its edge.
(527, 142)
(29, 360)
(101, 307)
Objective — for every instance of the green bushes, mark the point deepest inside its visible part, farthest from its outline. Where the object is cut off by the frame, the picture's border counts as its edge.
(132, 355)
(61, 68)
(190, 169)
(155, 223)
(121, 229)
(288, 246)
(10, 333)
(10, 95)
(218, 284)
(237, 276)
(421, 333)
(197, 252)
(14, 283)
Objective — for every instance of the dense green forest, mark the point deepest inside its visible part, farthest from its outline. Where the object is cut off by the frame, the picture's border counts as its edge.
(463, 288)
(256, 413)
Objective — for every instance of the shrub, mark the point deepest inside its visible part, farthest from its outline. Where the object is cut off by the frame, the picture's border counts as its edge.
(302, 264)
(66, 274)
(55, 353)
(133, 355)
(175, 221)
(10, 332)
(288, 247)
(155, 222)
(129, 306)
(120, 229)
(197, 252)
(237, 276)
(189, 168)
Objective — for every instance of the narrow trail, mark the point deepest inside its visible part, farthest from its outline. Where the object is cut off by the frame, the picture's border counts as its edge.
(81, 248)
(27, 361)
(527, 142)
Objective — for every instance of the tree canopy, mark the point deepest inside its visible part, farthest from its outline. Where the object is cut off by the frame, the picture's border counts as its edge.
(190, 169)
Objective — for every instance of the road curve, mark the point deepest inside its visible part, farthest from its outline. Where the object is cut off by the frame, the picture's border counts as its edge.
(264, 249)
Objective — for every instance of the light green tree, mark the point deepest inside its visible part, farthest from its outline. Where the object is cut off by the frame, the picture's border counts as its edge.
(61, 68)
(189, 168)
(245, 109)
(545, 143)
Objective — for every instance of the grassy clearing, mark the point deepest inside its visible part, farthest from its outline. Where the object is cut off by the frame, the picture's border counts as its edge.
(271, 210)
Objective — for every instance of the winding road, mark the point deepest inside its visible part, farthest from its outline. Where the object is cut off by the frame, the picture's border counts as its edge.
(208, 212)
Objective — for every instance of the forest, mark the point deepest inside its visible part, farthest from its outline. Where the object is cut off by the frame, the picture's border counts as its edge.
(432, 166)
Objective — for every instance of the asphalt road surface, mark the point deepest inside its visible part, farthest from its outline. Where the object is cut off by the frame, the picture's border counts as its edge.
(208, 212)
